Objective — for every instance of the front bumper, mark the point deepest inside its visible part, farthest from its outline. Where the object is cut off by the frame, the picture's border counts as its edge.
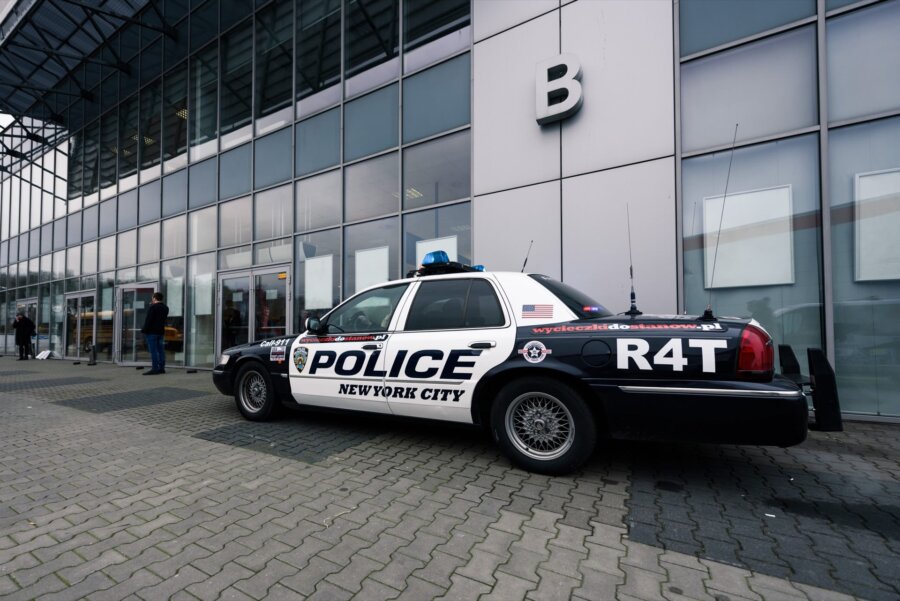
(222, 381)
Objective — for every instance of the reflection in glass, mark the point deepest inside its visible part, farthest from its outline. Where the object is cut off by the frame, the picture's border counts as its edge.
(202, 183)
(201, 293)
(235, 221)
(437, 171)
(776, 173)
(89, 258)
(150, 202)
(202, 230)
(73, 262)
(318, 53)
(237, 84)
(318, 275)
(270, 304)
(204, 102)
(372, 40)
(370, 123)
(127, 248)
(91, 178)
(447, 228)
(151, 130)
(234, 172)
(128, 142)
(89, 223)
(108, 217)
(273, 213)
(235, 311)
(175, 115)
(172, 287)
(276, 251)
(437, 99)
(107, 254)
(864, 173)
(148, 240)
(128, 209)
(234, 258)
(425, 21)
(371, 188)
(274, 63)
(174, 190)
(76, 159)
(273, 158)
(319, 201)
(318, 142)
(174, 237)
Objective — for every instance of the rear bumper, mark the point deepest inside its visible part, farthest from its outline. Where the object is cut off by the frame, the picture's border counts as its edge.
(720, 412)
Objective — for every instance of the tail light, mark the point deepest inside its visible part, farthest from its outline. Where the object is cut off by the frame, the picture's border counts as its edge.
(756, 355)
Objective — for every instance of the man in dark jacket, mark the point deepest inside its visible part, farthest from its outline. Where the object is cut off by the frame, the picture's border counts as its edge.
(25, 329)
(154, 331)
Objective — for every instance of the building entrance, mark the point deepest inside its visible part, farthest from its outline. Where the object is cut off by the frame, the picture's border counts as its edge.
(80, 336)
(253, 305)
(29, 308)
(132, 302)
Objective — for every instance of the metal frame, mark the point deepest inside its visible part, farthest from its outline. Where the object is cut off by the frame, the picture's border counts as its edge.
(251, 273)
(92, 294)
(118, 320)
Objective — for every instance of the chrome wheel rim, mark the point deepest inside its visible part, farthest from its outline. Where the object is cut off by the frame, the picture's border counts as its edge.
(540, 426)
(253, 391)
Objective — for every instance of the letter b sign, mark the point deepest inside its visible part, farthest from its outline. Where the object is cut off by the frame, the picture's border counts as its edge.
(557, 88)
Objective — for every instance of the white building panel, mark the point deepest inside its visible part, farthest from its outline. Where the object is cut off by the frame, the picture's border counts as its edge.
(505, 223)
(625, 50)
(493, 16)
(595, 235)
(510, 149)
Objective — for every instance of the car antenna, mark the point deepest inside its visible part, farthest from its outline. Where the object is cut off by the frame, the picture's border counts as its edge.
(526, 257)
(633, 311)
(708, 314)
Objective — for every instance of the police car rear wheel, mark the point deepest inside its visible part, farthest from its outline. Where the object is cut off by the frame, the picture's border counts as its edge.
(254, 393)
(543, 426)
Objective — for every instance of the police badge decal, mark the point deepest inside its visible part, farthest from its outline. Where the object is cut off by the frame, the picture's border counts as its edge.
(300, 355)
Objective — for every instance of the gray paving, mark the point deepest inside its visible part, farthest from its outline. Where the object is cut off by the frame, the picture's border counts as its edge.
(183, 499)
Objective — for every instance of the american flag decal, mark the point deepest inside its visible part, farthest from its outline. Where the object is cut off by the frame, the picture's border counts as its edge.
(537, 311)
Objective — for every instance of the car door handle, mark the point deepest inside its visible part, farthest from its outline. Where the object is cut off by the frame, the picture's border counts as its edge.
(483, 344)
(371, 347)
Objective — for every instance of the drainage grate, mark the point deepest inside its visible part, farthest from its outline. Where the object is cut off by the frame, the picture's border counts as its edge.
(120, 401)
(36, 384)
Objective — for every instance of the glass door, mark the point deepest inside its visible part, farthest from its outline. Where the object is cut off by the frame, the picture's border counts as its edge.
(253, 305)
(29, 308)
(79, 326)
(132, 304)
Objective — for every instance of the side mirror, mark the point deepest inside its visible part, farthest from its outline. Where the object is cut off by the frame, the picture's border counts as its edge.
(313, 325)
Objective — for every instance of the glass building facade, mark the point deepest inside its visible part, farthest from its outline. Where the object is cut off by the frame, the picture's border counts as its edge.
(258, 162)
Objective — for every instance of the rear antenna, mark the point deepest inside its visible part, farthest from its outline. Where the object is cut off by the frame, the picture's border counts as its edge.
(708, 314)
(633, 311)
(526, 257)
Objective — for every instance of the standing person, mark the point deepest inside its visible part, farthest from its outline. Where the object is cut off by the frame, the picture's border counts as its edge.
(25, 329)
(154, 331)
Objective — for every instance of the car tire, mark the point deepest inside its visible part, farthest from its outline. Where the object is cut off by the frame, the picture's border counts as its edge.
(254, 393)
(543, 426)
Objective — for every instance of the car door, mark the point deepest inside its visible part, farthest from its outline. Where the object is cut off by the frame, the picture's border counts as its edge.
(454, 329)
(343, 366)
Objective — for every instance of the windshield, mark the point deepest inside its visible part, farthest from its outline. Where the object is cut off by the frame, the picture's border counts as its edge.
(368, 312)
(580, 303)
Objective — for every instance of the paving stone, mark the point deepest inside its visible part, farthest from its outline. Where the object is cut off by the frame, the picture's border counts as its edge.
(213, 585)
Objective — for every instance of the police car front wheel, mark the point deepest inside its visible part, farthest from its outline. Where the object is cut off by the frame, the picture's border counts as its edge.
(543, 425)
(254, 393)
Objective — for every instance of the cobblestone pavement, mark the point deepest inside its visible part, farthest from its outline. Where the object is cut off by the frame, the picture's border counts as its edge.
(114, 486)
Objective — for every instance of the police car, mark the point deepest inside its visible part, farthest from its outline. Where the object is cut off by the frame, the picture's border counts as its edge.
(546, 368)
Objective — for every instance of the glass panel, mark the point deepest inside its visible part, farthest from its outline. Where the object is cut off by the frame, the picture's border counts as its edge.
(766, 264)
(174, 237)
(864, 174)
(447, 229)
(270, 305)
(372, 39)
(107, 254)
(204, 23)
(235, 311)
(59, 265)
(89, 258)
(150, 204)
(72, 318)
(273, 159)
(235, 10)
(371, 253)
(151, 129)
(128, 142)
(59, 237)
(276, 251)
(173, 294)
(371, 311)
(204, 100)
(274, 64)
(371, 187)
(425, 21)
(437, 171)
(318, 275)
(437, 99)
(86, 325)
(319, 52)
(234, 174)
(863, 51)
(73, 262)
(104, 344)
(126, 276)
(202, 234)
(235, 258)
(237, 84)
(148, 273)
(57, 317)
(128, 209)
(135, 302)
(76, 159)
(175, 115)
(89, 221)
(319, 201)
(370, 123)
(174, 198)
(235, 222)
(149, 243)
(708, 23)
(91, 181)
(318, 142)
(767, 87)
(127, 248)
(201, 303)
(108, 216)
(274, 213)
(202, 184)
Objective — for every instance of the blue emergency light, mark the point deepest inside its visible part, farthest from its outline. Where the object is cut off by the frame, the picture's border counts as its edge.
(435, 257)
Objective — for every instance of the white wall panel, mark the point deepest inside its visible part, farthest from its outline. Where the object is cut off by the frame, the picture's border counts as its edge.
(625, 49)
(510, 149)
(505, 223)
(595, 235)
(493, 16)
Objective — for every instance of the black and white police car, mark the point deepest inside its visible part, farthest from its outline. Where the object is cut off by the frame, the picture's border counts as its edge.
(544, 366)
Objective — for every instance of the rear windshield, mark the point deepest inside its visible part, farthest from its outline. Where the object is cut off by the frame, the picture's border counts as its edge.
(580, 303)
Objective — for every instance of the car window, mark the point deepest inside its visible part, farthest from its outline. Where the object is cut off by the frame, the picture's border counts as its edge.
(368, 312)
(454, 304)
(580, 303)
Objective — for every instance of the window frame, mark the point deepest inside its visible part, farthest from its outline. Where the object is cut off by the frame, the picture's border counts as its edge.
(470, 279)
